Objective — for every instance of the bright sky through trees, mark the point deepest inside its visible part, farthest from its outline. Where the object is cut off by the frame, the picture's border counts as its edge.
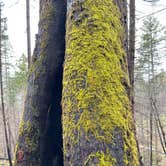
(143, 9)
(15, 11)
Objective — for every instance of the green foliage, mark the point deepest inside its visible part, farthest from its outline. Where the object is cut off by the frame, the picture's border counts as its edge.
(21, 73)
(18, 80)
(152, 41)
(95, 100)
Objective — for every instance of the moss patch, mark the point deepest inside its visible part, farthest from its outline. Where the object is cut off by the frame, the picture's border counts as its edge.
(94, 96)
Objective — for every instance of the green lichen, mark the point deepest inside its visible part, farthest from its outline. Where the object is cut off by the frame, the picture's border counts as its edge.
(29, 135)
(104, 159)
(95, 99)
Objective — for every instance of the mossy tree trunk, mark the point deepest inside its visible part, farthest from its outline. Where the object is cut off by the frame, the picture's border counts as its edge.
(40, 135)
(97, 117)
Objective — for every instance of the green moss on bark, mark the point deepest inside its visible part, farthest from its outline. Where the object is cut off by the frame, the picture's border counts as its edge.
(29, 133)
(95, 100)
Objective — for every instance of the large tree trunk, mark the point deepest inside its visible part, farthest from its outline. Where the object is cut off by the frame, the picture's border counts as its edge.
(40, 137)
(97, 117)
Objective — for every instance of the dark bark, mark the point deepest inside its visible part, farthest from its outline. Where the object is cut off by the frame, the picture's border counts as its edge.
(40, 137)
(122, 5)
(131, 52)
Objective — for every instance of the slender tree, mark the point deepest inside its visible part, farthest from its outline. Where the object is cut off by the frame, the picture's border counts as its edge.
(151, 45)
(40, 139)
(28, 32)
(152, 41)
(131, 53)
(97, 117)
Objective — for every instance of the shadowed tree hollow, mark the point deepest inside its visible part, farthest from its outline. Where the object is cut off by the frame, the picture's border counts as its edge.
(40, 139)
(98, 127)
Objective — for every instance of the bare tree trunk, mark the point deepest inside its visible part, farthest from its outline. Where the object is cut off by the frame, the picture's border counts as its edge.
(156, 145)
(40, 137)
(151, 138)
(28, 33)
(97, 117)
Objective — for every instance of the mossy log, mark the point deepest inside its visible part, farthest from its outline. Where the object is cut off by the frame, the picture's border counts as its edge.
(40, 134)
(98, 126)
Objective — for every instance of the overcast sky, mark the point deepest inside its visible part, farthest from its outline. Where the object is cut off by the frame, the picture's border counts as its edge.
(15, 11)
(142, 10)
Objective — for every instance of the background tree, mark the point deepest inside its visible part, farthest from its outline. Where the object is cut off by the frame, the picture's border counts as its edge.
(97, 117)
(2, 91)
(147, 68)
(17, 82)
(28, 32)
(152, 40)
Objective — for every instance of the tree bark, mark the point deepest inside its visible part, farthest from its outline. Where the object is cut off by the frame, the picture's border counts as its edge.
(131, 53)
(98, 125)
(40, 136)
(28, 33)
